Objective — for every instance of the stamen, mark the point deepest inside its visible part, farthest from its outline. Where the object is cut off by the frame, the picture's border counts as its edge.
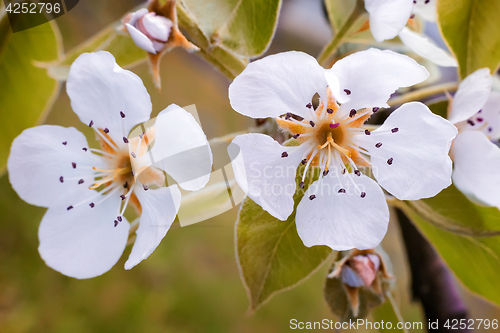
(133, 155)
(288, 116)
(61, 179)
(479, 119)
(80, 181)
(119, 218)
(330, 111)
(113, 146)
(312, 197)
(375, 109)
(125, 140)
(122, 114)
(326, 172)
(122, 196)
(339, 148)
(347, 91)
(145, 187)
(395, 130)
(301, 185)
(470, 122)
(106, 130)
(357, 173)
(367, 132)
(378, 145)
(91, 123)
(304, 161)
(84, 149)
(309, 105)
(284, 154)
(389, 161)
(65, 143)
(363, 194)
(73, 164)
(295, 136)
(352, 113)
(412, 16)
(116, 223)
(91, 205)
(69, 208)
(341, 190)
(312, 123)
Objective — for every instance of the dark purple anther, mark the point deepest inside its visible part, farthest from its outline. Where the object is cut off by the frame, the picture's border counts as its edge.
(334, 125)
(309, 105)
(73, 164)
(375, 109)
(65, 143)
(69, 207)
(312, 197)
(116, 223)
(367, 132)
(119, 218)
(470, 122)
(357, 173)
(347, 91)
(479, 119)
(80, 181)
(412, 16)
(352, 113)
(84, 149)
(304, 161)
(288, 116)
(295, 136)
(342, 190)
(122, 196)
(330, 111)
(91, 205)
(125, 140)
(61, 179)
(395, 130)
(326, 172)
(122, 114)
(378, 145)
(312, 123)
(91, 123)
(284, 154)
(133, 155)
(145, 187)
(301, 185)
(363, 194)
(106, 130)
(389, 161)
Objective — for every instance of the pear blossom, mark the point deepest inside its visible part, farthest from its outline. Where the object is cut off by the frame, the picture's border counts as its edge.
(344, 208)
(388, 19)
(475, 111)
(149, 31)
(84, 231)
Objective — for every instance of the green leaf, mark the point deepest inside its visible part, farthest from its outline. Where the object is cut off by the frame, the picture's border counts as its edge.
(270, 254)
(27, 92)
(389, 313)
(472, 31)
(245, 27)
(474, 260)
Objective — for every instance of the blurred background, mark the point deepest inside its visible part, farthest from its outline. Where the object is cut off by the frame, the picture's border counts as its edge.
(191, 282)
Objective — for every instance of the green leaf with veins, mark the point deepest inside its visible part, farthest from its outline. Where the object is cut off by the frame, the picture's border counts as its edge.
(27, 92)
(472, 31)
(270, 254)
(475, 261)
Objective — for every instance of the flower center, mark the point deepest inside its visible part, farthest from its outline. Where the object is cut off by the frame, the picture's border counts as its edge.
(329, 130)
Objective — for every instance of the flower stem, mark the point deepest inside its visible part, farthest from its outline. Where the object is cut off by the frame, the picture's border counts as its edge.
(339, 37)
(423, 93)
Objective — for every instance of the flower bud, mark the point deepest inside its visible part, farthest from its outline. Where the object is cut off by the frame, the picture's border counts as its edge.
(149, 31)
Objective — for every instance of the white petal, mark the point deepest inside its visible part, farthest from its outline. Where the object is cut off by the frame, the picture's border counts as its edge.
(99, 89)
(38, 158)
(159, 208)
(476, 167)
(343, 221)
(181, 148)
(277, 84)
(471, 95)
(83, 242)
(140, 39)
(373, 75)
(491, 115)
(388, 17)
(424, 47)
(419, 149)
(265, 176)
(137, 15)
(158, 27)
(425, 9)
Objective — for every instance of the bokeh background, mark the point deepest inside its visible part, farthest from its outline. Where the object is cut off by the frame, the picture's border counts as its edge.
(191, 282)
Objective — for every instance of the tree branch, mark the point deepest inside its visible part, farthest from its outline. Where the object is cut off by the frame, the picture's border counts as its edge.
(432, 282)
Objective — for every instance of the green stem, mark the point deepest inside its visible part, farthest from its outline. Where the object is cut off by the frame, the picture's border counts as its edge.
(337, 40)
(423, 93)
